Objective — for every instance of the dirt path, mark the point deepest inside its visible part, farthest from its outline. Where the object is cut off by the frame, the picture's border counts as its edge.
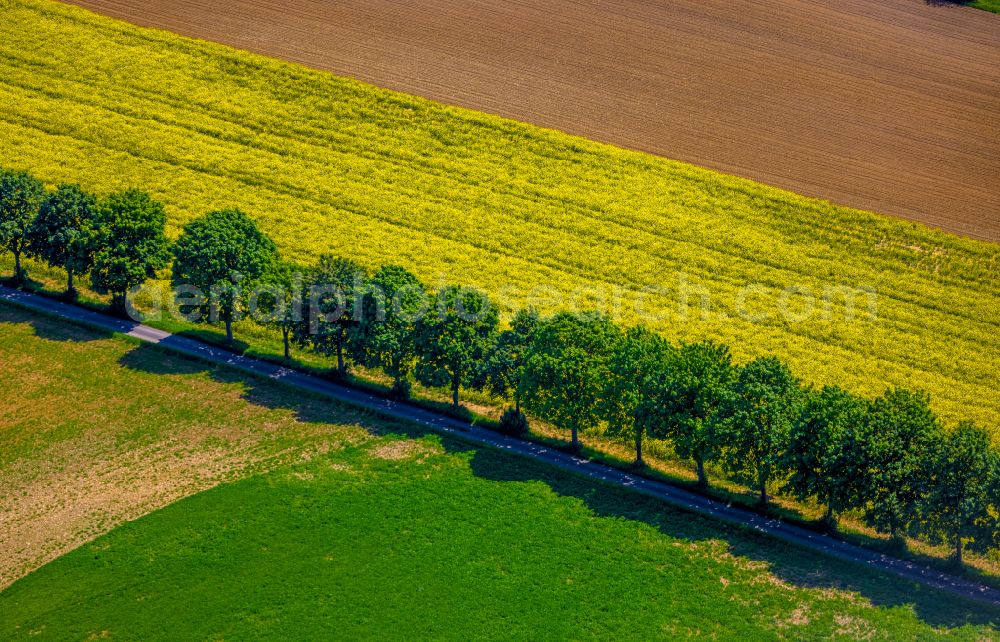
(892, 106)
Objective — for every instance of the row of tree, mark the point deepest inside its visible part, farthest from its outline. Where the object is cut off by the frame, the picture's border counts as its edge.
(119, 240)
(888, 459)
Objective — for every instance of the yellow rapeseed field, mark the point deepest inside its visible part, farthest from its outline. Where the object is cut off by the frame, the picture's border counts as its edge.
(327, 164)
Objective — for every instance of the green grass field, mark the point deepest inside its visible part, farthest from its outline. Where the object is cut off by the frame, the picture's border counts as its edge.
(358, 527)
(327, 164)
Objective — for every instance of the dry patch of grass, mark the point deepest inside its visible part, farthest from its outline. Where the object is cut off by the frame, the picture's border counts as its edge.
(53, 512)
(396, 450)
(854, 628)
(97, 431)
(801, 616)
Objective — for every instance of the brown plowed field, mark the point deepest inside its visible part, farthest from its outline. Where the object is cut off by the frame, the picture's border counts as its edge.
(887, 105)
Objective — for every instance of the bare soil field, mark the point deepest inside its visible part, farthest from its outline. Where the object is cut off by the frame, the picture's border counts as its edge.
(889, 106)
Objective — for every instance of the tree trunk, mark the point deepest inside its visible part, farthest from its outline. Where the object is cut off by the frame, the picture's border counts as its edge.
(17, 267)
(829, 519)
(341, 368)
(398, 392)
(957, 558)
(638, 448)
(454, 392)
(517, 403)
(229, 331)
(118, 304)
(763, 490)
(576, 439)
(70, 290)
(896, 539)
(702, 477)
(288, 347)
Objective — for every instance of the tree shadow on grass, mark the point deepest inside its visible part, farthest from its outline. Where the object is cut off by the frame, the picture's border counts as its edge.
(796, 566)
(150, 359)
(308, 407)
(46, 327)
(791, 564)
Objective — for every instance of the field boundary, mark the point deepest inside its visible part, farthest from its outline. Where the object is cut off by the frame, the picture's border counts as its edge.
(452, 427)
(790, 94)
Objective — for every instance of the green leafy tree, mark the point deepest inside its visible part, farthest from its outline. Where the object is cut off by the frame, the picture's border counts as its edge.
(902, 430)
(63, 233)
(131, 244)
(454, 339)
(684, 401)
(640, 358)
(330, 302)
(393, 301)
(962, 506)
(827, 451)
(983, 540)
(21, 195)
(279, 301)
(225, 255)
(502, 369)
(757, 416)
(567, 368)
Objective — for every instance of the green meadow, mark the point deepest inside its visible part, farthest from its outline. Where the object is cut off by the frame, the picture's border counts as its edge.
(353, 526)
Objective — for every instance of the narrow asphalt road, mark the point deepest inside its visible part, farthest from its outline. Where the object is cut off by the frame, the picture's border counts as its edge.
(672, 495)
